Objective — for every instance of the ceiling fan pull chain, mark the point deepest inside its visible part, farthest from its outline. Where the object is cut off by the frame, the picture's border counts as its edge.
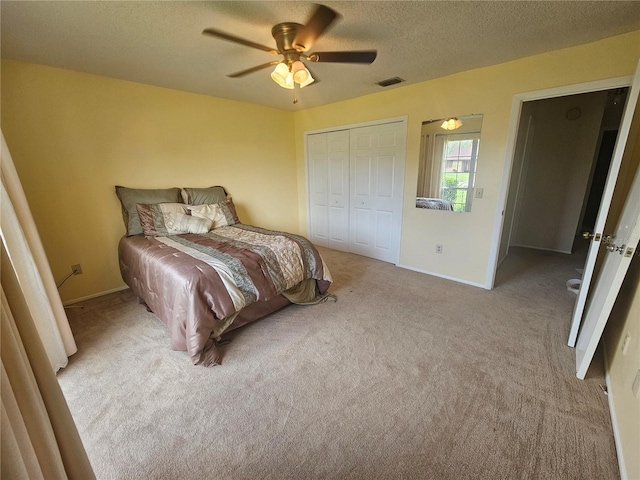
(295, 93)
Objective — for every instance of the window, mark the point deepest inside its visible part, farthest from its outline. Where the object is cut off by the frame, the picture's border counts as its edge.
(459, 155)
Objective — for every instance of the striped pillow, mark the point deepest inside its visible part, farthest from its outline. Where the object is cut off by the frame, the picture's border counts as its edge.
(221, 214)
(161, 219)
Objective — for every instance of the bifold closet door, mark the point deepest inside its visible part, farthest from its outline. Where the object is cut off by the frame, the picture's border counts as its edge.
(328, 155)
(376, 190)
(356, 181)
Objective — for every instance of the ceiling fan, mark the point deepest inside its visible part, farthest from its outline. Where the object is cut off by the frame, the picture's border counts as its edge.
(293, 42)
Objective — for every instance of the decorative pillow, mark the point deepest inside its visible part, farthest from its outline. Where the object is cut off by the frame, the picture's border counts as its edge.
(162, 219)
(202, 196)
(221, 213)
(130, 197)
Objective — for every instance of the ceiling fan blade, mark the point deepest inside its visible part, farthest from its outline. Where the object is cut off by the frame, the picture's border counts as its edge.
(253, 69)
(232, 38)
(317, 24)
(366, 57)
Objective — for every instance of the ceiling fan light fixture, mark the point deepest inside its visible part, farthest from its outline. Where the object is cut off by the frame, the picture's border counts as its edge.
(282, 76)
(451, 124)
(308, 81)
(300, 72)
(289, 82)
(287, 77)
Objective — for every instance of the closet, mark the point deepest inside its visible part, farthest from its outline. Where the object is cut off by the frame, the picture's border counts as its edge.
(355, 185)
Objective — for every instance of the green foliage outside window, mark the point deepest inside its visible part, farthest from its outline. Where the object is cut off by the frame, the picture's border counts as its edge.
(454, 190)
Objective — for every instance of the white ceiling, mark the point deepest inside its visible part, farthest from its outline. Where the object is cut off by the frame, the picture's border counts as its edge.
(160, 42)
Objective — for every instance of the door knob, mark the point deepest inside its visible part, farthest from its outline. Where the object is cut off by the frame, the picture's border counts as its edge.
(606, 240)
(588, 235)
(616, 248)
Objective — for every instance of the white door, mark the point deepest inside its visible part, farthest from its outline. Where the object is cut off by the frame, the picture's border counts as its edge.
(614, 268)
(605, 204)
(328, 160)
(318, 164)
(377, 182)
(338, 154)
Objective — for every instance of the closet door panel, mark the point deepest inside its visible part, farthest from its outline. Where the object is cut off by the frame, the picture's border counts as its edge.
(386, 177)
(339, 228)
(328, 162)
(338, 176)
(320, 230)
(361, 227)
(377, 166)
(362, 177)
(317, 153)
(384, 228)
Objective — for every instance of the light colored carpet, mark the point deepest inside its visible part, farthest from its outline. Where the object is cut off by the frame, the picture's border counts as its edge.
(406, 376)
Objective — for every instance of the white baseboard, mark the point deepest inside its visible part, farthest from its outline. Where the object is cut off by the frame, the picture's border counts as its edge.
(554, 250)
(614, 418)
(95, 295)
(473, 284)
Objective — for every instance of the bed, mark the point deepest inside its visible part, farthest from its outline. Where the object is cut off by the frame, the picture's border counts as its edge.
(433, 203)
(191, 262)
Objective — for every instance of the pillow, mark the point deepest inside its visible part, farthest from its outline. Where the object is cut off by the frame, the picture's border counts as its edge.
(162, 219)
(221, 214)
(129, 197)
(202, 196)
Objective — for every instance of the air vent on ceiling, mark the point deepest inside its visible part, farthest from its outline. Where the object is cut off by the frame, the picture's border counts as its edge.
(390, 81)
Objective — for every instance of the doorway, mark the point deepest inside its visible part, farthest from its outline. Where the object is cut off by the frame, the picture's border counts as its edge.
(563, 150)
(616, 190)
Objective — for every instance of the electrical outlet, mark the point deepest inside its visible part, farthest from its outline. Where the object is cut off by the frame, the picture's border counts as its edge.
(625, 344)
(76, 269)
(438, 248)
(479, 192)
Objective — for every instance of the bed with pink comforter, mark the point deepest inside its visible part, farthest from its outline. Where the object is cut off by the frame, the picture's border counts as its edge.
(203, 285)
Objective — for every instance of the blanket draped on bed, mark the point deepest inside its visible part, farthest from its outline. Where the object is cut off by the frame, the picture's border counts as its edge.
(199, 284)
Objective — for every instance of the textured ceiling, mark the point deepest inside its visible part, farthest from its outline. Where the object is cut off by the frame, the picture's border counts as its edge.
(160, 43)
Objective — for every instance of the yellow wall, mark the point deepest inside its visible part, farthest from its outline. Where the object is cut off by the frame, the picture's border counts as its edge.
(74, 136)
(466, 237)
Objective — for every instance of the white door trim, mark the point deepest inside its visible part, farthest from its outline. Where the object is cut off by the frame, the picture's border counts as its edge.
(516, 108)
(372, 123)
